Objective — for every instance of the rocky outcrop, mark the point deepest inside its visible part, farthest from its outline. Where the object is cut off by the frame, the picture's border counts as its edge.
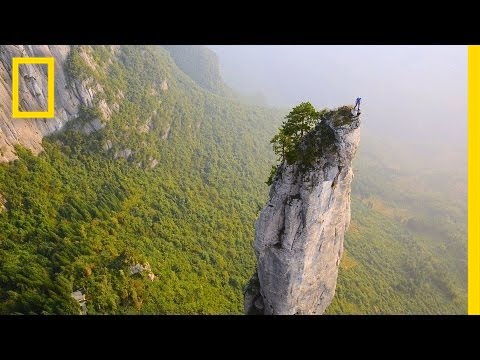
(90, 127)
(139, 269)
(300, 231)
(3, 202)
(166, 133)
(125, 154)
(69, 95)
(153, 163)
(164, 85)
(82, 301)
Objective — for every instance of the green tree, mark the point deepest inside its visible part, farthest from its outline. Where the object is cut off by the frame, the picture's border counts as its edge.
(300, 120)
(282, 143)
(297, 123)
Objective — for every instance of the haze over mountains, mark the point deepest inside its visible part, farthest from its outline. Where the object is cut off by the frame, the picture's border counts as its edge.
(412, 94)
(412, 157)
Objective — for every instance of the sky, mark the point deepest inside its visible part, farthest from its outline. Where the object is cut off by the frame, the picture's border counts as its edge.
(416, 93)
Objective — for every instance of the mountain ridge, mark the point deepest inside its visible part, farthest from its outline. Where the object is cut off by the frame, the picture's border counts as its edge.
(153, 184)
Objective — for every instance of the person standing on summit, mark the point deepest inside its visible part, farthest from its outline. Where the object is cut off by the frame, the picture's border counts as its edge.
(357, 105)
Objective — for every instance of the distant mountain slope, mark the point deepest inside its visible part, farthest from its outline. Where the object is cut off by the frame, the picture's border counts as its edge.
(201, 64)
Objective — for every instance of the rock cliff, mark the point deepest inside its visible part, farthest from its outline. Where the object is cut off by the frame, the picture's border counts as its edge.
(300, 231)
(69, 95)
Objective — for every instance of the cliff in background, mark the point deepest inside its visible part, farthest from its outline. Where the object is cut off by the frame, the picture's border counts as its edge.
(70, 94)
(170, 179)
(300, 231)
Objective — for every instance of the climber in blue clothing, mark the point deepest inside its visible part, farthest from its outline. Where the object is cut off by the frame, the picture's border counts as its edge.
(357, 105)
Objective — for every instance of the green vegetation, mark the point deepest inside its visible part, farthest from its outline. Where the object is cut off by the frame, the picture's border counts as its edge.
(77, 218)
(406, 248)
(297, 123)
(201, 64)
(297, 143)
(286, 143)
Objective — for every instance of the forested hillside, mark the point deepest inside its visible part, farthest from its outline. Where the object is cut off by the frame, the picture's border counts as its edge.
(406, 248)
(183, 201)
(201, 64)
(154, 212)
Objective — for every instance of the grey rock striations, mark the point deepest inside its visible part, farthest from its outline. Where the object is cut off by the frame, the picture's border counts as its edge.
(70, 95)
(300, 231)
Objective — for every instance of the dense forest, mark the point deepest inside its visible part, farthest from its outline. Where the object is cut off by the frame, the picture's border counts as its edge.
(172, 185)
(406, 248)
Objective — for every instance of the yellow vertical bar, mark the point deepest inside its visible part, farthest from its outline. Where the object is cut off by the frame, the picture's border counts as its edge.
(51, 87)
(15, 97)
(473, 180)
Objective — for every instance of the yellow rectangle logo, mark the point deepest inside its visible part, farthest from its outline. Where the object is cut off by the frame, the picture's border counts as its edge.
(50, 113)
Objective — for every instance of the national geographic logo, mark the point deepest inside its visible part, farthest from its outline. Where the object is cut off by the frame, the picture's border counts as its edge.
(50, 62)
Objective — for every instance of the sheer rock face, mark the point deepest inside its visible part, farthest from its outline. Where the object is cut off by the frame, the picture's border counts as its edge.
(299, 233)
(32, 97)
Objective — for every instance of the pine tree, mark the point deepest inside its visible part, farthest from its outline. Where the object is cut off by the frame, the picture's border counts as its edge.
(300, 120)
(297, 123)
(282, 144)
